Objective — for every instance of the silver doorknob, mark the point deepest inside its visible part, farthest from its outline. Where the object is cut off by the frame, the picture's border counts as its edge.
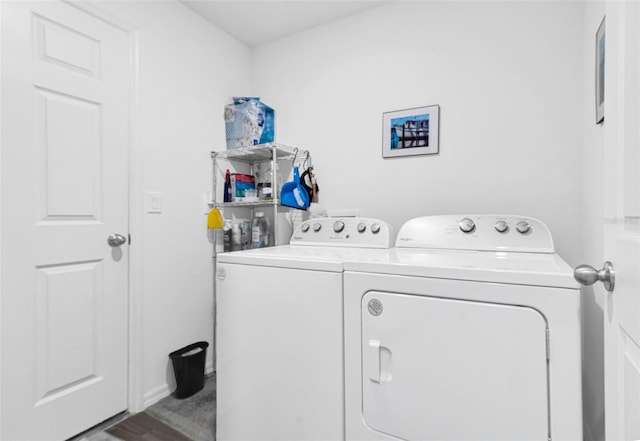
(587, 275)
(115, 240)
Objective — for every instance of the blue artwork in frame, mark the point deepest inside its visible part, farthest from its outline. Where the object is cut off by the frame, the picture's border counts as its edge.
(411, 132)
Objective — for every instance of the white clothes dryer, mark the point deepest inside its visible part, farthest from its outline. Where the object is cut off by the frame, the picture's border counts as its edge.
(279, 335)
(468, 330)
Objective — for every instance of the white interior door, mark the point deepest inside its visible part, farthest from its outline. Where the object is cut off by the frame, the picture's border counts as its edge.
(622, 220)
(65, 118)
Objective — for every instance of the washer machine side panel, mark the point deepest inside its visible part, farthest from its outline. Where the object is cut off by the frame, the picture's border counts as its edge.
(559, 306)
(446, 369)
(279, 354)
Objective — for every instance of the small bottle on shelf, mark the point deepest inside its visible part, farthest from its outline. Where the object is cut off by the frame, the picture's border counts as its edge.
(236, 237)
(260, 231)
(227, 231)
(227, 186)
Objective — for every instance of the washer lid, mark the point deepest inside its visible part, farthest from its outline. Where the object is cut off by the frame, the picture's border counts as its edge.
(295, 257)
(483, 266)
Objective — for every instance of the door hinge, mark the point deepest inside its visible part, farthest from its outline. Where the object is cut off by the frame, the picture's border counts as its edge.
(548, 344)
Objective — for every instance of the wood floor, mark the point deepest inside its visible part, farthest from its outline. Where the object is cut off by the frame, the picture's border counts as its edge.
(170, 419)
(142, 427)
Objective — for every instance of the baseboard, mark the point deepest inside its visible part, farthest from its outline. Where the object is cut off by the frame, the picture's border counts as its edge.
(160, 392)
(155, 395)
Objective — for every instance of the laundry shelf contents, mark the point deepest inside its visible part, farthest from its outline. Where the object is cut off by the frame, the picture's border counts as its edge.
(253, 177)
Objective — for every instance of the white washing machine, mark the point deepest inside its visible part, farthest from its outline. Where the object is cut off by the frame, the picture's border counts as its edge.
(279, 335)
(469, 329)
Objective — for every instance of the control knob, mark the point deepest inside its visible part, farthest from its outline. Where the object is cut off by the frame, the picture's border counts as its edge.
(523, 227)
(361, 227)
(501, 226)
(375, 228)
(317, 226)
(466, 225)
(304, 228)
(338, 226)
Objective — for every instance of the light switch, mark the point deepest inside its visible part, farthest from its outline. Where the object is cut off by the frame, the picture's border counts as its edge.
(154, 202)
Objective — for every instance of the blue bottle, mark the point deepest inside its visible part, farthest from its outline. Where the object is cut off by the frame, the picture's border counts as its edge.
(227, 187)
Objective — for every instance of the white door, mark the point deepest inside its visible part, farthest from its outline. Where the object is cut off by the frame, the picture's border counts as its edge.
(622, 221)
(65, 116)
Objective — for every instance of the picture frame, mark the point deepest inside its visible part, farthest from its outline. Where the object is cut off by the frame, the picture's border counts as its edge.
(600, 69)
(411, 132)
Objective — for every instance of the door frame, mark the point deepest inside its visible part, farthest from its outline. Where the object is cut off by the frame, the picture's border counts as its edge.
(135, 203)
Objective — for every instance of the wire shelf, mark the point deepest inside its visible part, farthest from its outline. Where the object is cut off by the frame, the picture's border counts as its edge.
(261, 152)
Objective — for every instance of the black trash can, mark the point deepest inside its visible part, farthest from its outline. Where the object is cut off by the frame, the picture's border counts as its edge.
(188, 368)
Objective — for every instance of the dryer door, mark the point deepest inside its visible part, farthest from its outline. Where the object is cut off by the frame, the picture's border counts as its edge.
(443, 369)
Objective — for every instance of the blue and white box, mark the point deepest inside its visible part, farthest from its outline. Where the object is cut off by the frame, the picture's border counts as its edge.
(248, 122)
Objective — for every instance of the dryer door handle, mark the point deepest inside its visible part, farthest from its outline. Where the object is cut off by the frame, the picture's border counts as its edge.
(374, 360)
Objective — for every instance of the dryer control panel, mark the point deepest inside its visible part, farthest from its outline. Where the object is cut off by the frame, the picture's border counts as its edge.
(506, 233)
(357, 232)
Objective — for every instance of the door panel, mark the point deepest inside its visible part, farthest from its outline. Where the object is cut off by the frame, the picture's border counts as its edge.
(66, 355)
(431, 363)
(70, 185)
(630, 368)
(65, 120)
(66, 48)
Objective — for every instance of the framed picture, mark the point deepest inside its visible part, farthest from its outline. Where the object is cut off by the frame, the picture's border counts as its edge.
(411, 132)
(600, 45)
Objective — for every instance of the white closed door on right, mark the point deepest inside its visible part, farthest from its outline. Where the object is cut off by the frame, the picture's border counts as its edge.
(621, 222)
(444, 369)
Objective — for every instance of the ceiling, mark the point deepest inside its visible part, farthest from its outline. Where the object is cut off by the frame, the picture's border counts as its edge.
(255, 22)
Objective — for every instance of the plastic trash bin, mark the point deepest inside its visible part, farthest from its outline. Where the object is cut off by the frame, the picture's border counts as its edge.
(188, 368)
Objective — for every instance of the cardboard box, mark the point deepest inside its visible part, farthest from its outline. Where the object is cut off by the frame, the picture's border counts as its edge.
(239, 183)
(248, 122)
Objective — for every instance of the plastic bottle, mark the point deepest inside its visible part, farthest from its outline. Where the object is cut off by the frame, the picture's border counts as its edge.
(264, 184)
(236, 237)
(260, 231)
(245, 228)
(227, 235)
(219, 232)
(227, 186)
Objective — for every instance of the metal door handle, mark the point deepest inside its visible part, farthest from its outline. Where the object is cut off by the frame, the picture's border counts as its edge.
(115, 240)
(587, 275)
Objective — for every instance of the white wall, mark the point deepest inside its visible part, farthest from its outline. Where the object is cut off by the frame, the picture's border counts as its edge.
(592, 239)
(513, 116)
(188, 69)
(506, 76)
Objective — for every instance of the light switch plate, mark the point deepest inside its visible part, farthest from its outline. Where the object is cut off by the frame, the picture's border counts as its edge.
(154, 202)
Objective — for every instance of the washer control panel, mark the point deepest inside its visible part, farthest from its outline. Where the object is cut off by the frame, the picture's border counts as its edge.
(359, 232)
(477, 232)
